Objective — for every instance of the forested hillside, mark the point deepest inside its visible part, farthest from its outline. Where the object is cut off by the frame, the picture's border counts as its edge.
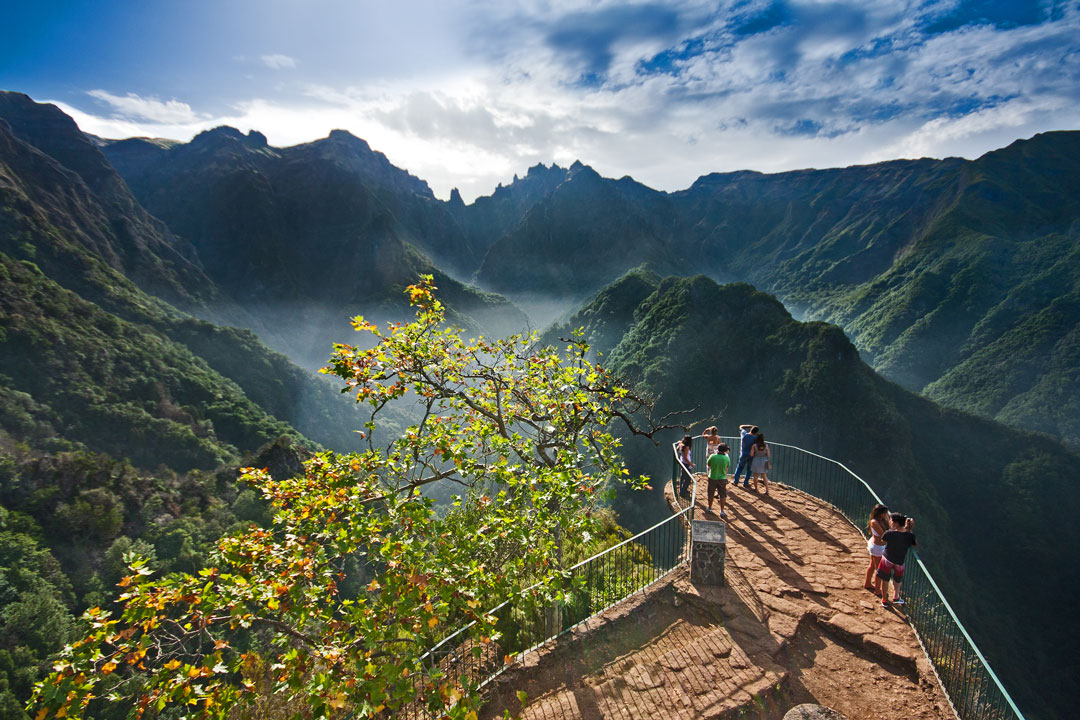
(978, 488)
(126, 402)
(955, 278)
(122, 418)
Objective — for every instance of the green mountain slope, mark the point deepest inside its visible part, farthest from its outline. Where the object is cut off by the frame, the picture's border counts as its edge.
(112, 225)
(85, 376)
(47, 220)
(955, 278)
(995, 505)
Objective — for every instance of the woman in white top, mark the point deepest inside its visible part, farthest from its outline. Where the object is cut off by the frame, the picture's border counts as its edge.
(683, 450)
(759, 461)
(875, 544)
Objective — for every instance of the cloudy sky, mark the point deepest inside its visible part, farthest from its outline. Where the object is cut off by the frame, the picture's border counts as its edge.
(468, 93)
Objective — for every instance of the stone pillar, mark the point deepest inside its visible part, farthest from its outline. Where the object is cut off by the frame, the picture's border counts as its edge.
(707, 552)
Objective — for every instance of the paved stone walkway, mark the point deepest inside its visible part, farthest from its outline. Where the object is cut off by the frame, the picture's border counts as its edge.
(792, 625)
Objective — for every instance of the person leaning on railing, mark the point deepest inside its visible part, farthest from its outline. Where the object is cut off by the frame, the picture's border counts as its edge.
(897, 542)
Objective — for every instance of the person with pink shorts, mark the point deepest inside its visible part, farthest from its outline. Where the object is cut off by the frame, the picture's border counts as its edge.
(897, 543)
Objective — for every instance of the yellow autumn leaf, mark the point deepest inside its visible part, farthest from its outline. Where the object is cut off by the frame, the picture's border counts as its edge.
(107, 668)
(172, 665)
(432, 622)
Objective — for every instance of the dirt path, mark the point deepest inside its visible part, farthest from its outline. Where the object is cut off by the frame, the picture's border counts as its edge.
(792, 625)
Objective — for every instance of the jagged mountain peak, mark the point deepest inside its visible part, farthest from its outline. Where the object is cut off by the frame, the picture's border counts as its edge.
(228, 136)
(542, 169)
(580, 172)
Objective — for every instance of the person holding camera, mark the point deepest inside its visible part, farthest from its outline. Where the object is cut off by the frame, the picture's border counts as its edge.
(897, 543)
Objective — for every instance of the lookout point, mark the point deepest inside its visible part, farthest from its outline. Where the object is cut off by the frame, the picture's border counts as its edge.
(787, 625)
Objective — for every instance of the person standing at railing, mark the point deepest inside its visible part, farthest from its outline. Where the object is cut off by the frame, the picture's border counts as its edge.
(877, 527)
(719, 462)
(712, 440)
(897, 542)
(760, 463)
(747, 434)
(685, 477)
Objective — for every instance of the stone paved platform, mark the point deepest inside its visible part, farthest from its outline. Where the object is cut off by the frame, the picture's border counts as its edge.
(793, 625)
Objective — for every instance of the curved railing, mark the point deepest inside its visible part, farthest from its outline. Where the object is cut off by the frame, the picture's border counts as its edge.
(597, 583)
(974, 690)
(591, 587)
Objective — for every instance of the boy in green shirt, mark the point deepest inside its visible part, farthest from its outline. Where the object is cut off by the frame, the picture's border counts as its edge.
(718, 464)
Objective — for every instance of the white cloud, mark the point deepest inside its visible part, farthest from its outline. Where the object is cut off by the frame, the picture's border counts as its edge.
(277, 61)
(134, 107)
(831, 87)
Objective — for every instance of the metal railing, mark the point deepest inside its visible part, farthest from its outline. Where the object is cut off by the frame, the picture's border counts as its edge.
(528, 622)
(601, 581)
(974, 690)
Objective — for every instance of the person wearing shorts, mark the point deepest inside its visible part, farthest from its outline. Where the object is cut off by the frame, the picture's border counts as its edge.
(718, 464)
(683, 450)
(891, 568)
(878, 525)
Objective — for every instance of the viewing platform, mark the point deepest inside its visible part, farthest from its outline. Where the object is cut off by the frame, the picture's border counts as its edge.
(748, 618)
(792, 624)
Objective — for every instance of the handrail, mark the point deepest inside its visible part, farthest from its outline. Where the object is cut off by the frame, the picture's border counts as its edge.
(666, 544)
(967, 700)
(921, 632)
(534, 586)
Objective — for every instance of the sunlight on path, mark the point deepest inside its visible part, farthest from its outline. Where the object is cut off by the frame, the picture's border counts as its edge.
(792, 625)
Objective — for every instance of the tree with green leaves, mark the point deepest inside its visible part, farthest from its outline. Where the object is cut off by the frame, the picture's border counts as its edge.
(336, 604)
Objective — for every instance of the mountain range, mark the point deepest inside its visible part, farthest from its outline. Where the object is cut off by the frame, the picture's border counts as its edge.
(162, 304)
(979, 489)
(958, 279)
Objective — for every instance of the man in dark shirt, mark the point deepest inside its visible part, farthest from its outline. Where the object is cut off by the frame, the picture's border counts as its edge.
(749, 432)
(897, 542)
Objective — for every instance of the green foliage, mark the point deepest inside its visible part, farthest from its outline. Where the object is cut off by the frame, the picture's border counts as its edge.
(35, 617)
(522, 427)
(114, 386)
(61, 547)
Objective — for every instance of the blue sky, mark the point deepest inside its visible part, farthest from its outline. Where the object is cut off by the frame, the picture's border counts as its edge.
(467, 94)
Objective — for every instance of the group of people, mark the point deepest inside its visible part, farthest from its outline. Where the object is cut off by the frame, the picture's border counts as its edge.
(889, 541)
(890, 533)
(754, 458)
